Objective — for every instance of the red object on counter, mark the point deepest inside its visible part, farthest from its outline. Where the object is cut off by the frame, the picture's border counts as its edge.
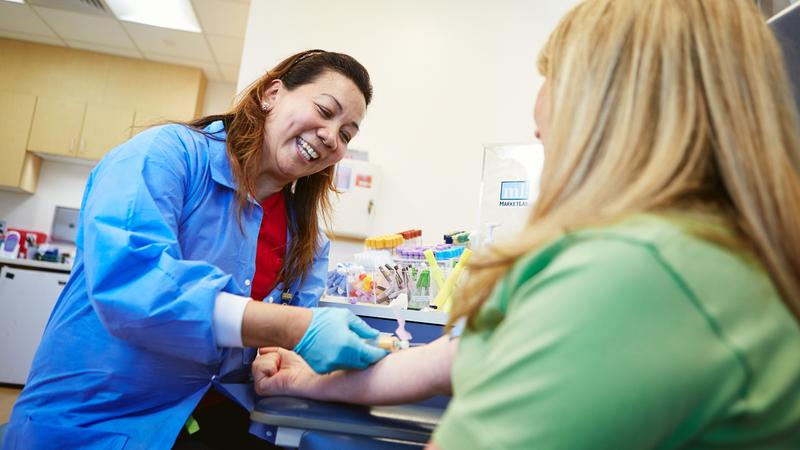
(40, 237)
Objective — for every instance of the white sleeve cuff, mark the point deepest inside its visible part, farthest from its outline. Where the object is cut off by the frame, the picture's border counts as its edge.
(227, 320)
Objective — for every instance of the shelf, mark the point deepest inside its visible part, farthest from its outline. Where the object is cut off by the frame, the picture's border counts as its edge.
(384, 312)
(55, 267)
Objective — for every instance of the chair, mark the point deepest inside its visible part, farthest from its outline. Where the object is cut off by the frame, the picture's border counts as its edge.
(310, 424)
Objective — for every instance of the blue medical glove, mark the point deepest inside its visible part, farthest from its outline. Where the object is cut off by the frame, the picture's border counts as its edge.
(334, 341)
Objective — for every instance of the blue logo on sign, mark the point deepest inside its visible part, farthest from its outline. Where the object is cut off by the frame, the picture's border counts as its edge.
(514, 190)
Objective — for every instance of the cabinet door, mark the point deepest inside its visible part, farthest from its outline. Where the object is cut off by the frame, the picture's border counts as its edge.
(104, 127)
(353, 208)
(146, 119)
(26, 299)
(15, 122)
(56, 126)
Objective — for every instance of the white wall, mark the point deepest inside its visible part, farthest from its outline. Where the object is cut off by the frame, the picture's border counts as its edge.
(449, 76)
(218, 98)
(342, 250)
(62, 183)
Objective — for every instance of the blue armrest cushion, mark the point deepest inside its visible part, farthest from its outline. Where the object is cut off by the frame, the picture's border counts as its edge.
(408, 422)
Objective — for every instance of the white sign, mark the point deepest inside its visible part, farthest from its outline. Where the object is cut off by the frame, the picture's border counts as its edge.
(509, 186)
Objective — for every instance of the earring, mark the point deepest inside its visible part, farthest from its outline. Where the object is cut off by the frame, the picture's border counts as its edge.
(265, 106)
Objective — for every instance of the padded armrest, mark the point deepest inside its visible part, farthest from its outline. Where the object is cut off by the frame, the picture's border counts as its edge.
(408, 422)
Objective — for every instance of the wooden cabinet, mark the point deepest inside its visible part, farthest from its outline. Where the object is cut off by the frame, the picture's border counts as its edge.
(78, 104)
(56, 128)
(145, 119)
(104, 127)
(71, 128)
(19, 170)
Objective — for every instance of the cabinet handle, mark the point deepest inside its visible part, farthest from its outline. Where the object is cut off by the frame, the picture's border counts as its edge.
(62, 283)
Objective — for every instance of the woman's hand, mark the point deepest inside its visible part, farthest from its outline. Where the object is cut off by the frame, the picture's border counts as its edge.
(277, 371)
(402, 377)
(327, 338)
(335, 340)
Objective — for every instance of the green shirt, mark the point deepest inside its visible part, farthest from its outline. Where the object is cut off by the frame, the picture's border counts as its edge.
(632, 336)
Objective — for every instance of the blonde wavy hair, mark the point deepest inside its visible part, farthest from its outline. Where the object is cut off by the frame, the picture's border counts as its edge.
(660, 105)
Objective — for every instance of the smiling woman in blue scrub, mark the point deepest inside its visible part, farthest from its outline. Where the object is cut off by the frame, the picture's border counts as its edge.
(158, 306)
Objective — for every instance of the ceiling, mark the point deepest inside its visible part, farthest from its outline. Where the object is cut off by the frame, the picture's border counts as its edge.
(217, 49)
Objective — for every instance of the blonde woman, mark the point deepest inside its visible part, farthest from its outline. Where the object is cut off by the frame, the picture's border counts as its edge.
(653, 299)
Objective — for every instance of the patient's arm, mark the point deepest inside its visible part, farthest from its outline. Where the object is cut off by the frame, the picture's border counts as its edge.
(404, 376)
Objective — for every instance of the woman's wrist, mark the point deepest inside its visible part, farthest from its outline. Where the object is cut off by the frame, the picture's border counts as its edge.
(267, 324)
(323, 387)
(298, 320)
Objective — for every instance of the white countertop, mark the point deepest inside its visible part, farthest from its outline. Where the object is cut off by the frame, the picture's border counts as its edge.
(383, 311)
(36, 264)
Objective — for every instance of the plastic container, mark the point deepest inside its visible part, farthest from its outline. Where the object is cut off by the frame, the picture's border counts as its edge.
(360, 285)
(420, 290)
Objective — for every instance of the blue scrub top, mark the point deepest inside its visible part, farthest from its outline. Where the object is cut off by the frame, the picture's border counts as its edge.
(129, 349)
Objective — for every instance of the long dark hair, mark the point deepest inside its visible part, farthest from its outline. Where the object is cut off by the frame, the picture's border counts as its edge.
(306, 199)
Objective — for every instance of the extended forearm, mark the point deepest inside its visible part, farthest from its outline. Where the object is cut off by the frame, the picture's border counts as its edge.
(266, 324)
(402, 377)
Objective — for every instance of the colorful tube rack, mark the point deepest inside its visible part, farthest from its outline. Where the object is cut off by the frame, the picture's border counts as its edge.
(442, 252)
(410, 234)
(388, 241)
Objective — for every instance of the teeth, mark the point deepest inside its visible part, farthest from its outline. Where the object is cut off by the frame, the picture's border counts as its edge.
(308, 152)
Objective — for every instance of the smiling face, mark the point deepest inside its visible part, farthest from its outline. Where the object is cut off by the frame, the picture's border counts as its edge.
(308, 128)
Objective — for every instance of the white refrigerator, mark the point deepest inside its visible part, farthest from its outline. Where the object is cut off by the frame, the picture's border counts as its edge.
(354, 208)
(26, 299)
